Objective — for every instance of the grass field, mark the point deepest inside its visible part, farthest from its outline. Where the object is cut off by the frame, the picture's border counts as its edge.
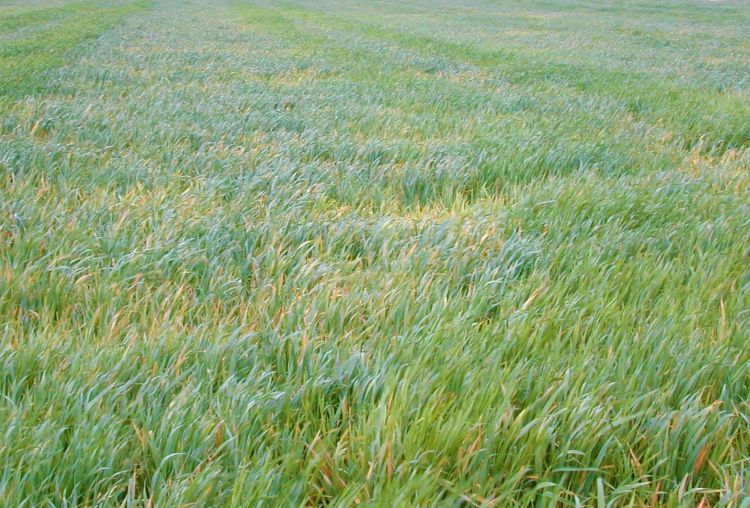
(391, 253)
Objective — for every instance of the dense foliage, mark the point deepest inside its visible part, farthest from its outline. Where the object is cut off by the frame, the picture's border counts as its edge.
(473, 253)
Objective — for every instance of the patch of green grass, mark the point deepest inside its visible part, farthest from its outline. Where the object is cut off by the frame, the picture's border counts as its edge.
(42, 39)
(394, 254)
